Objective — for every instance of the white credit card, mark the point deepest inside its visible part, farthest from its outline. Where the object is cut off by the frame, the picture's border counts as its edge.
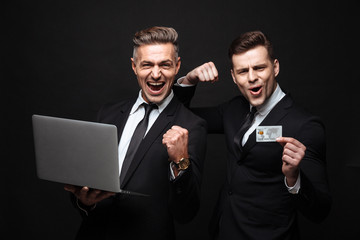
(268, 133)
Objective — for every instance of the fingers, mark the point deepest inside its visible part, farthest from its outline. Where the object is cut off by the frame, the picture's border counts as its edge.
(105, 194)
(76, 190)
(292, 158)
(70, 188)
(174, 134)
(176, 142)
(294, 151)
(82, 193)
(98, 195)
(207, 72)
(291, 144)
(284, 140)
(93, 194)
(88, 196)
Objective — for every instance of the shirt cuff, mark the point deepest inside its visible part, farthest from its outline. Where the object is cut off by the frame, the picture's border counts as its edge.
(172, 175)
(294, 189)
(180, 84)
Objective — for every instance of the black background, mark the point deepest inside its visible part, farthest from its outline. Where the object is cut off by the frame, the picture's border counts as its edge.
(67, 58)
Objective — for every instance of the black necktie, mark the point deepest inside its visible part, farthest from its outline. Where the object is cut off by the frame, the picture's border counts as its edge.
(136, 139)
(246, 125)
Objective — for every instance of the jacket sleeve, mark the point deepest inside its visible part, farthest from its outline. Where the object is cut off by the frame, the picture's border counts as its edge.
(185, 189)
(212, 115)
(184, 94)
(314, 199)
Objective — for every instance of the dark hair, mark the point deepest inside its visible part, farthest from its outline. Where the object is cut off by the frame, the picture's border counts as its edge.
(156, 35)
(249, 40)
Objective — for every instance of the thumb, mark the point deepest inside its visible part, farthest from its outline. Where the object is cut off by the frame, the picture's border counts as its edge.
(281, 141)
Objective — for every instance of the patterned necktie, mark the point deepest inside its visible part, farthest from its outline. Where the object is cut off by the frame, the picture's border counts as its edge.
(246, 125)
(136, 139)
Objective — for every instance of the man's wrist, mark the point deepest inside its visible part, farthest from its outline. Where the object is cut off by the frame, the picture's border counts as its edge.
(86, 209)
(183, 82)
(295, 188)
(182, 164)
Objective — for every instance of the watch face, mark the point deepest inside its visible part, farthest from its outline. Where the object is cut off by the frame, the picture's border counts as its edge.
(184, 163)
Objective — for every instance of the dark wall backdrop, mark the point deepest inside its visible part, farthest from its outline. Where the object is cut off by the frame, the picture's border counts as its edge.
(67, 58)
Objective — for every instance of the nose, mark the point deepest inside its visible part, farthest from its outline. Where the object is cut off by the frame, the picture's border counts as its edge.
(156, 72)
(252, 75)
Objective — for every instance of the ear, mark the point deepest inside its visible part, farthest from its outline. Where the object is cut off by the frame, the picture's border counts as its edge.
(133, 65)
(177, 67)
(276, 67)
(233, 76)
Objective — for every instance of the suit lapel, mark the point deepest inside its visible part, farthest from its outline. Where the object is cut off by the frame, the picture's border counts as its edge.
(158, 128)
(273, 118)
(122, 117)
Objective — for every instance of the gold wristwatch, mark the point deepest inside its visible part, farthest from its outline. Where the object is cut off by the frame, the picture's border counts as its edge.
(183, 164)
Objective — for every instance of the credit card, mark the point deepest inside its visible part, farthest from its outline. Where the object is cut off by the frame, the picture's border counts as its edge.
(268, 133)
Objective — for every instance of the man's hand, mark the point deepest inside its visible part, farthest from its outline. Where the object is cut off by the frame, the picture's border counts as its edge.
(294, 152)
(204, 73)
(86, 196)
(176, 143)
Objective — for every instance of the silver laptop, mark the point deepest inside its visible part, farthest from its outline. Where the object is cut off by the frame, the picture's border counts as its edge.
(77, 152)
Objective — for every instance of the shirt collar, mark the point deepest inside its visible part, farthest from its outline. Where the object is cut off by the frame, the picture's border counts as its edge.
(140, 100)
(275, 97)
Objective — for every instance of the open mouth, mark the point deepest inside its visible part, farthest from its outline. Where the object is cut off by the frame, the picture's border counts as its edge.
(256, 90)
(155, 86)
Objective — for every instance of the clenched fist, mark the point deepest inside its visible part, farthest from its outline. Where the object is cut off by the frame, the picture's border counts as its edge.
(204, 73)
(176, 143)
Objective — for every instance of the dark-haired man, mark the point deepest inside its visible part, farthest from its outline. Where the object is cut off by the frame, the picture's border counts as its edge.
(269, 178)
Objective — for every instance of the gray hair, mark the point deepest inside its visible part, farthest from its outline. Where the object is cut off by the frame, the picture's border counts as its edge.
(155, 35)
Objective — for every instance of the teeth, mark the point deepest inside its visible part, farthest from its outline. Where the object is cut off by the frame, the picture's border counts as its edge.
(156, 84)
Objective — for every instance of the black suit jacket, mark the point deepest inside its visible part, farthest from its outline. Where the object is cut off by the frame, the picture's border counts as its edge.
(138, 217)
(254, 202)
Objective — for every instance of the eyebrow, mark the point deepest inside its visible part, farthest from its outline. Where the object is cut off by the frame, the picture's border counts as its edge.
(241, 69)
(162, 62)
(260, 65)
(255, 66)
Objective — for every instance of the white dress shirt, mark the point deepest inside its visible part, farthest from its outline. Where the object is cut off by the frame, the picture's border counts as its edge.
(263, 111)
(137, 113)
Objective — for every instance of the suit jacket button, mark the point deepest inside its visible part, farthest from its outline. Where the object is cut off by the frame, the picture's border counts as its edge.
(230, 192)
